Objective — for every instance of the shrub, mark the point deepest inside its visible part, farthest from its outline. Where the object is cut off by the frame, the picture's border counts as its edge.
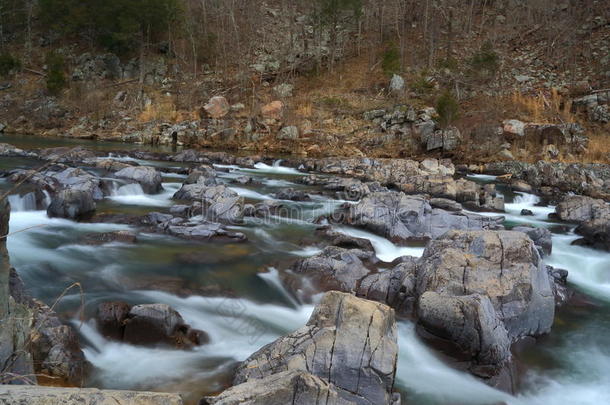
(448, 108)
(8, 64)
(423, 85)
(390, 62)
(56, 78)
(485, 61)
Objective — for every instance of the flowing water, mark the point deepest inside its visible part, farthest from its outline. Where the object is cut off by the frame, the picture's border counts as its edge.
(234, 293)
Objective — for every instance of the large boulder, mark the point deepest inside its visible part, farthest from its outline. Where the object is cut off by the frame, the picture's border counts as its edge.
(335, 268)
(502, 265)
(159, 324)
(403, 218)
(348, 342)
(471, 322)
(287, 387)
(60, 178)
(217, 107)
(191, 228)
(72, 204)
(217, 202)
(578, 208)
(148, 177)
(484, 290)
(110, 319)
(593, 217)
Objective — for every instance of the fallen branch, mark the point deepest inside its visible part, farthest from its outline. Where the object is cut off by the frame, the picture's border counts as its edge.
(36, 72)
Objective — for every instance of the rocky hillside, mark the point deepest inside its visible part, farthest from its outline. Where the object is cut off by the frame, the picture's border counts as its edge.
(309, 81)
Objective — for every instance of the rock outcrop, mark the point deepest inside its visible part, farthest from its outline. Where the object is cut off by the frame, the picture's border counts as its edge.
(589, 179)
(191, 228)
(287, 387)
(34, 344)
(348, 343)
(402, 218)
(484, 290)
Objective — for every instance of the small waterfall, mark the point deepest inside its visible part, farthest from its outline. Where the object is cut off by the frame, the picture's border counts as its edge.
(429, 380)
(277, 168)
(272, 277)
(26, 202)
(384, 249)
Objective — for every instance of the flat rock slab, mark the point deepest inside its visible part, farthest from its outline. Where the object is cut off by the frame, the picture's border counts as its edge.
(36, 395)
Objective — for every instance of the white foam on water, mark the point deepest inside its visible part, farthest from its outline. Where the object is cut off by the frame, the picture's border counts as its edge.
(174, 175)
(272, 277)
(307, 251)
(247, 193)
(482, 177)
(588, 268)
(528, 201)
(237, 328)
(424, 375)
(132, 194)
(27, 227)
(25, 202)
(384, 249)
(277, 168)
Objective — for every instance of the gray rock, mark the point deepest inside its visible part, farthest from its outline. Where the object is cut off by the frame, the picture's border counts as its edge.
(283, 90)
(71, 204)
(502, 265)
(514, 128)
(348, 342)
(397, 84)
(36, 395)
(506, 154)
(148, 177)
(471, 322)
(542, 237)
(287, 387)
(402, 218)
(582, 209)
(205, 231)
(334, 268)
(445, 204)
(288, 133)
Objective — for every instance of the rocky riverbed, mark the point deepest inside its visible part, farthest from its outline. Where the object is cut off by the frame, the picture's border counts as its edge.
(244, 279)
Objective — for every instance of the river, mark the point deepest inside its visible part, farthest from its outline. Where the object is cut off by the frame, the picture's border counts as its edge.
(233, 292)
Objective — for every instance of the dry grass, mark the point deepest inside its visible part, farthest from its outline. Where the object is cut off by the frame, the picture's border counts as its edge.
(161, 108)
(543, 108)
(599, 148)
